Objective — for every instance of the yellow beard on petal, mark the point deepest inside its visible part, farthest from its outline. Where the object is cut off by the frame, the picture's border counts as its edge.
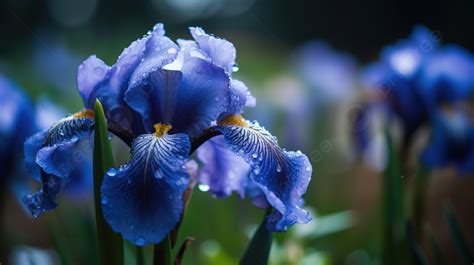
(234, 120)
(84, 114)
(162, 129)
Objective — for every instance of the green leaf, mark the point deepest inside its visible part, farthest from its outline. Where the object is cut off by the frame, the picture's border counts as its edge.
(258, 250)
(460, 242)
(110, 243)
(394, 250)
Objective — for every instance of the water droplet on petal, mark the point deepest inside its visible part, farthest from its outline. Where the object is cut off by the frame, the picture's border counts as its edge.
(112, 172)
(308, 168)
(104, 200)
(278, 168)
(255, 155)
(140, 241)
(235, 68)
(203, 187)
(256, 171)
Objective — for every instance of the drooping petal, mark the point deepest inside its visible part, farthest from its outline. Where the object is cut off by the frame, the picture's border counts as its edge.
(220, 51)
(31, 147)
(79, 182)
(189, 99)
(62, 147)
(224, 171)
(143, 199)
(56, 156)
(282, 176)
(44, 199)
(90, 75)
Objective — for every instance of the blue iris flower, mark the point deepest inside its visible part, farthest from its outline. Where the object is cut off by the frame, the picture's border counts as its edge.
(452, 142)
(395, 77)
(16, 118)
(448, 83)
(165, 99)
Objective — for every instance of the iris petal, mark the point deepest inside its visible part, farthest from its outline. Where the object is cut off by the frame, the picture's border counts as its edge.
(31, 147)
(143, 199)
(189, 99)
(282, 176)
(111, 94)
(240, 98)
(44, 199)
(224, 171)
(90, 75)
(56, 156)
(220, 51)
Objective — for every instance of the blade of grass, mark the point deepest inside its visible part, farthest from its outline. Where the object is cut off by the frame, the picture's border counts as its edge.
(110, 243)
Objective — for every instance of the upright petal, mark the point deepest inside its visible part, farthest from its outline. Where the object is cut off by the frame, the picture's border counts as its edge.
(282, 176)
(189, 99)
(224, 171)
(220, 51)
(112, 91)
(90, 75)
(239, 98)
(143, 199)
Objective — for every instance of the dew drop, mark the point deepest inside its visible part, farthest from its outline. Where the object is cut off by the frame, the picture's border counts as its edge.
(140, 241)
(104, 200)
(256, 171)
(308, 168)
(203, 187)
(278, 168)
(255, 155)
(112, 172)
(235, 68)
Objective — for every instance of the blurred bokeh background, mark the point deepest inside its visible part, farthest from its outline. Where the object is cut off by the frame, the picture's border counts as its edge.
(43, 42)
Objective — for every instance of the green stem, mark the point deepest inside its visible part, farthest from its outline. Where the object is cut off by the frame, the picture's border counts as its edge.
(258, 250)
(394, 236)
(419, 199)
(162, 252)
(140, 258)
(110, 243)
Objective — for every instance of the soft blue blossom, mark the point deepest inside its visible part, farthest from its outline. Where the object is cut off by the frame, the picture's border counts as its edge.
(165, 99)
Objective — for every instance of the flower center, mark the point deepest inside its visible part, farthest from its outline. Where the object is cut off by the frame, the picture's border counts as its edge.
(236, 120)
(84, 114)
(161, 129)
